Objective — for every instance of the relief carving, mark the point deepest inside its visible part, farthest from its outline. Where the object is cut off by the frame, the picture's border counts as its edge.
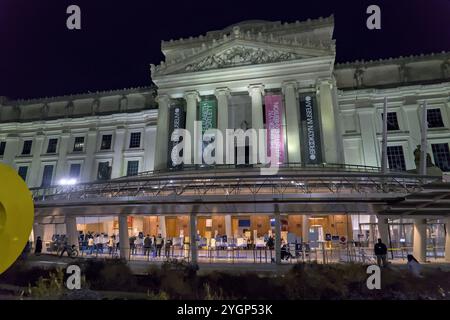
(240, 55)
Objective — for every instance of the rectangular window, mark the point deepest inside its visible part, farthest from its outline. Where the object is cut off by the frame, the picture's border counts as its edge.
(23, 170)
(135, 140)
(396, 158)
(132, 168)
(2, 148)
(106, 142)
(441, 156)
(47, 176)
(104, 171)
(78, 145)
(434, 118)
(75, 170)
(392, 121)
(27, 147)
(52, 143)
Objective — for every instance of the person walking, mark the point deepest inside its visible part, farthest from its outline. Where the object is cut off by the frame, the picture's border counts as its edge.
(38, 246)
(380, 251)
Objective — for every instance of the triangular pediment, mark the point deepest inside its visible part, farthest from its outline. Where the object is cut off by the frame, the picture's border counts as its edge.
(245, 44)
(241, 53)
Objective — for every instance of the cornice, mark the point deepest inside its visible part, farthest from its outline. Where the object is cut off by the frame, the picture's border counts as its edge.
(401, 60)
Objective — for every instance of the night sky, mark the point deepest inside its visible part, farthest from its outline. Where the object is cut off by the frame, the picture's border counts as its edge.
(40, 57)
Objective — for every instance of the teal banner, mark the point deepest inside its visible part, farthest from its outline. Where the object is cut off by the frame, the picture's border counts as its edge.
(208, 116)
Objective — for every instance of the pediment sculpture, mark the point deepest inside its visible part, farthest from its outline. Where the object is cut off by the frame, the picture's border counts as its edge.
(240, 55)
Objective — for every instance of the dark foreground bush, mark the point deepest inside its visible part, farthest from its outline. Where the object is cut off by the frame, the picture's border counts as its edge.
(108, 275)
(113, 279)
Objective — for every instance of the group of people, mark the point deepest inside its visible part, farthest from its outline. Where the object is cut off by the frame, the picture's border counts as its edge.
(149, 245)
(98, 242)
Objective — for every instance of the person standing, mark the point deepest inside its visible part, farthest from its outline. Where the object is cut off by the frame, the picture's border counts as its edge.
(147, 245)
(159, 244)
(380, 251)
(38, 246)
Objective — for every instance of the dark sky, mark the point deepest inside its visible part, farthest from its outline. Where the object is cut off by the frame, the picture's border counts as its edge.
(40, 57)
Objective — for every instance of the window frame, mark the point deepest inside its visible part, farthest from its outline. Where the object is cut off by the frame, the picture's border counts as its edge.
(25, 142)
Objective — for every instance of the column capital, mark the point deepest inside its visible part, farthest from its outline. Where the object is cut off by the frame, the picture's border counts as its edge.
(163, 98)
(255, 89)
(324, 81)
(291, 84)
(223, 91)
(193, 94)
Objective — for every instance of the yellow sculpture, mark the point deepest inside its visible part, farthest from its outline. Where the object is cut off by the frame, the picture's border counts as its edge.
(16, 216)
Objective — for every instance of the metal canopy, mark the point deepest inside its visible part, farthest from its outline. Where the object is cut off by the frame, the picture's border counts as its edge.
(433, 200)
(296, 189)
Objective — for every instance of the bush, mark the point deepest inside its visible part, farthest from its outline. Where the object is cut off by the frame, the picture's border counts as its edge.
(108, 275)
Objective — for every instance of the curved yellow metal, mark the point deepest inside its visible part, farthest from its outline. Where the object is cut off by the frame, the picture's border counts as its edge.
(16, 216)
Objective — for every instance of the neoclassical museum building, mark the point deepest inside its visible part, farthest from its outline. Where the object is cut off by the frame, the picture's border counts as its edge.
(102, 163)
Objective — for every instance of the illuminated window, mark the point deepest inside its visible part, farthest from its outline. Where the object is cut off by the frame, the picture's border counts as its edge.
(78, 144)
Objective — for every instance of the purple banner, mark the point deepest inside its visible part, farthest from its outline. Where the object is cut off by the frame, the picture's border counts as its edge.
(274, 120)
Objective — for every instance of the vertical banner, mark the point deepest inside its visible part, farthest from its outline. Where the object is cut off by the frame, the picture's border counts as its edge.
(177, 121)
(274, 120)
(208, 116)
(310, 130)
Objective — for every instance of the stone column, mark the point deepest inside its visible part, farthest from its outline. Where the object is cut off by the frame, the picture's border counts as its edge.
(124, 244)
(61, 168)
(90, 173)
(35, 180)
(228, 227)
(420, 240)
(192, 99)
(292, 122)
(11, 149)
(447, 240)
(162, 133)
(277, 237)
(328, 112)
(119, 147)
(193, 237)
(305, 228)
(149, 141)
(369, 139)
(256, 92)
(222, 95)
(383, 230)
(162, 226)
(71, 230)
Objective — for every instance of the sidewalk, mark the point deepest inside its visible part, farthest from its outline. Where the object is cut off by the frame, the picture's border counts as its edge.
(141, 267)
